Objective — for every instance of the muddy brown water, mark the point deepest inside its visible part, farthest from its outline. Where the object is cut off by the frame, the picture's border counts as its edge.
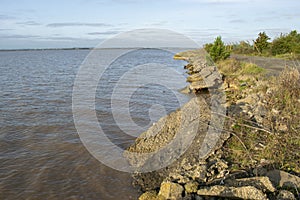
(41, 154)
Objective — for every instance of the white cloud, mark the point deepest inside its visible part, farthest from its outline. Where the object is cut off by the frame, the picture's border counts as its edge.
(70, 24)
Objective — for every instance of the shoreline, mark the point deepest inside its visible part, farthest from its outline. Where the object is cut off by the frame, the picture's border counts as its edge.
(87, 48)
(191, 177)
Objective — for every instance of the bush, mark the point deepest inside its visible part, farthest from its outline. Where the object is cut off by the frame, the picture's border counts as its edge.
(286, 45)
(217, 50)
(261, 44)
(243, 48)
(289, 43)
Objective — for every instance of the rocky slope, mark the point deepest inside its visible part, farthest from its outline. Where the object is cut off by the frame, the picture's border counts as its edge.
(192, 141)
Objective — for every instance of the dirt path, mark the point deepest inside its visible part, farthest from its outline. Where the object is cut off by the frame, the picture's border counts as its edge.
(274, 65)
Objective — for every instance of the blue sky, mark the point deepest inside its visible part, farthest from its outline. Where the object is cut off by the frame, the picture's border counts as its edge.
(85, 23)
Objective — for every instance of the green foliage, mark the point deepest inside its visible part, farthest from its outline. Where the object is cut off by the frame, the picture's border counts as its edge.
(208, 46)
(243, 48)
(217, 50)
(286, 46)
(261, 43)
(251, 69)
(289, 43)
(233, 67)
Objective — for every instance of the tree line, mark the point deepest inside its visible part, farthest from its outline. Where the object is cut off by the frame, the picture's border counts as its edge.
(286, 46)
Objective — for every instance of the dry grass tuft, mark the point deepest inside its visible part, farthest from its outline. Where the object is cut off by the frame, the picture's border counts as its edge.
(279, 147)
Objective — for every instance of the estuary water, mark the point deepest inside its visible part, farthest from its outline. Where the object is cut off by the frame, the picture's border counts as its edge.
(41, 154)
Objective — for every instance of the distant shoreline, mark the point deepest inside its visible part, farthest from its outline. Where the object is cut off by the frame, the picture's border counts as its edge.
(94, 48)
(46, 49)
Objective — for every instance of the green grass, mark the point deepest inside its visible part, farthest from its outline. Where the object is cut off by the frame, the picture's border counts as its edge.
(232, 67)
(251, 69)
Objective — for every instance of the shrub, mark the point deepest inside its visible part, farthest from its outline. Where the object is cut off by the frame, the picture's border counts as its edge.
(243, 48)
(289, 43)
(229, 66)
(217, 50)
(261, 43)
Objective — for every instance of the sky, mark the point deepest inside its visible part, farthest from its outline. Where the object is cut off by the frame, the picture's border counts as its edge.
(86, 23)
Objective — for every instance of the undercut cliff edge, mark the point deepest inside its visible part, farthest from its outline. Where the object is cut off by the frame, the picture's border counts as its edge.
(202, 139)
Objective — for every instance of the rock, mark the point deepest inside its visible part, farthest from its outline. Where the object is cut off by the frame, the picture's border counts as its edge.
(150, 195)
(217, 171)
(188, 197)
(244, 84)
(191, 187)
(178, 178)
(205, 72)
(218, 164)
(182, 135)
(194, 78)
(197, 197)
(260, 112)
(260, 171)
(247, 192)
(188, 165)
(285, 195)
(171, 191)
(179, 128)
(202, 74)
(283, 179)
(200, 85)
(262, 183)
(282, 127)
(198, 173)
(214, 80)
(238, 174)
(185, 90)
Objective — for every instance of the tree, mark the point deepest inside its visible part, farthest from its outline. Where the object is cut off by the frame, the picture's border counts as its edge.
(217, 50)
(243, 47)
(261, 43)
(286, 43)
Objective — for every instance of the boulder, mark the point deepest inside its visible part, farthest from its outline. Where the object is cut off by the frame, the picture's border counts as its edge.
(283, 179)
(194, 78)
(198, 173)
(285, 195)
(205, 72)
(191, 187)
(179, 128)
(170, 191)
(193, 121)
(150, 195)
(262, 183)
(178, 178)
(200, 85)
(246, 192)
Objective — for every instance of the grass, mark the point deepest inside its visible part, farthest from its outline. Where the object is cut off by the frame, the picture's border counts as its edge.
(229, 67)
(279, 146)
(239, 77)
(232, 67)
(288, 56)
(251, 69)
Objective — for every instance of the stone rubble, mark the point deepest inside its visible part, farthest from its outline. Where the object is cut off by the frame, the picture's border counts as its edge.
(210, 177)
